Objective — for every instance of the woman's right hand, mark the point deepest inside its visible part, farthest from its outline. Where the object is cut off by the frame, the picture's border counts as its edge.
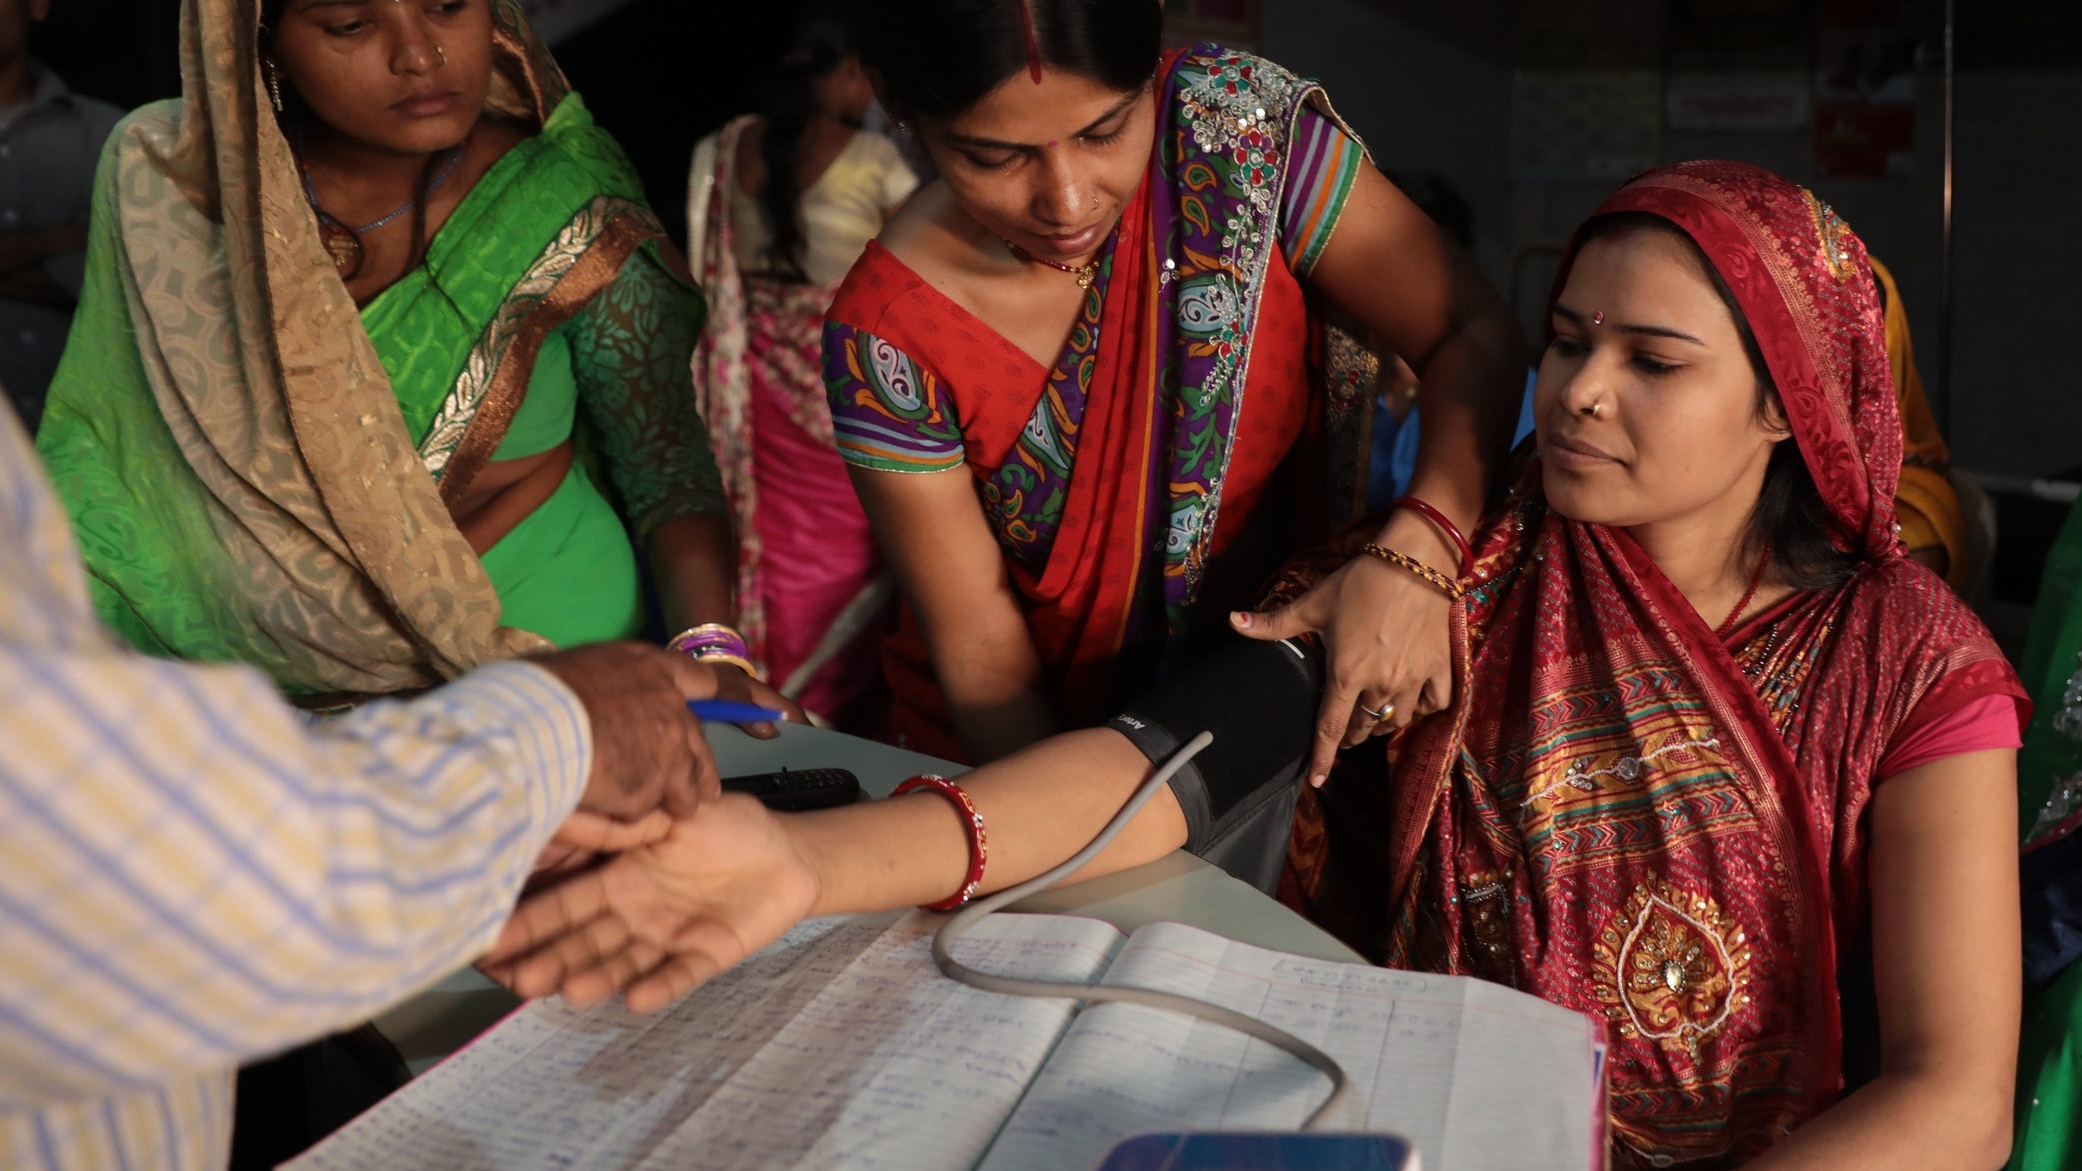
(661, 920)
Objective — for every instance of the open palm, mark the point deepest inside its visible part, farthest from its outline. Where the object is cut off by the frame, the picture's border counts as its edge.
(663, 919)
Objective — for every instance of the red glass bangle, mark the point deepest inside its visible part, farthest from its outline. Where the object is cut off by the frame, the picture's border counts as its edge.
(1444, 524)
(972, 821)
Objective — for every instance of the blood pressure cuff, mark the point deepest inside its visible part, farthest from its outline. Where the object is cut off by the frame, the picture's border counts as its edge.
(1259, 699)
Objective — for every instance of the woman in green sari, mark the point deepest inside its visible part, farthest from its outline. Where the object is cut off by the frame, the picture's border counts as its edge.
(2049, 784)
(376, 324)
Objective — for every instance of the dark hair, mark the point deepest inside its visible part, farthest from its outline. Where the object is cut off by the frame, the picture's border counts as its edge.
(822, 41)
(1791, 521)
(937, 58)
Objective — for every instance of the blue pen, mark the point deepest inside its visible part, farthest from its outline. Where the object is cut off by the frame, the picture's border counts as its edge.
(724, 711)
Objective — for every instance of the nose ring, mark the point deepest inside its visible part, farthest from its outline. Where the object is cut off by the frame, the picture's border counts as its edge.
(1596, 409)
(441, 54)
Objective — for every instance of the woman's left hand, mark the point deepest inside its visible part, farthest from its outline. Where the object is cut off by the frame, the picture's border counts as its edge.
(1387, 635)
(733, 684)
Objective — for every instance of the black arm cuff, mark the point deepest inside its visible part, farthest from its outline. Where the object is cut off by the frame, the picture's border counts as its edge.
(1260, 700)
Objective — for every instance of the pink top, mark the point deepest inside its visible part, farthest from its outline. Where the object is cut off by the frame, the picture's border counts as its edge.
(1975, 726)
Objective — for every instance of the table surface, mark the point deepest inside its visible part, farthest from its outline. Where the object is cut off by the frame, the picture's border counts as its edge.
(1178, 887)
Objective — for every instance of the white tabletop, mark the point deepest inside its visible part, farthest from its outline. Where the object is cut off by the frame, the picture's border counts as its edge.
(1179, 887)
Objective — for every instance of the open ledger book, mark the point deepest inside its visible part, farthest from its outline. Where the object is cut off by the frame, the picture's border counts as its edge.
(841, 1046)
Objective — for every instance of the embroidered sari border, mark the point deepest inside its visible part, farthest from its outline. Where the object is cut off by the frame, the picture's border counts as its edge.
(580, 262)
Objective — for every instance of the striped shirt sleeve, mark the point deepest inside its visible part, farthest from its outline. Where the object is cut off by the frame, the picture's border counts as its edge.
(1323, 163)
(195, 876)
(889, 413)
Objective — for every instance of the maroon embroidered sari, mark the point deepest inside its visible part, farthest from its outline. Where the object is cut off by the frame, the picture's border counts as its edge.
(1630, 816)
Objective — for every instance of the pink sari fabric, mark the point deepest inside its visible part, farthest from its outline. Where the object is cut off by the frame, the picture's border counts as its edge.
(813, 597)
(821, 583)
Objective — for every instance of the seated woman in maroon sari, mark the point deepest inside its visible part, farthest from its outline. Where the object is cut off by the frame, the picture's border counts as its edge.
(1095, 323)
(1727, 771)
(1722, 747)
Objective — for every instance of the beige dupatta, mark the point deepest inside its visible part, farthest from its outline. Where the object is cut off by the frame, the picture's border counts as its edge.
(273, 391)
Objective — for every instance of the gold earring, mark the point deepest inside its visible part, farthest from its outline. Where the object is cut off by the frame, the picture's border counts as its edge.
(274, 82)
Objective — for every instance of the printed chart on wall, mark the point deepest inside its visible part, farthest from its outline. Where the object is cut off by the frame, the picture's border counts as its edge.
(1584, 125)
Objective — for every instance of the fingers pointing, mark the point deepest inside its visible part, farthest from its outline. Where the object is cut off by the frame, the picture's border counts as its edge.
(1331, 720)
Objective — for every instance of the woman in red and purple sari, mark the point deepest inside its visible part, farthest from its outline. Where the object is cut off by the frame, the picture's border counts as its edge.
(1065, 376)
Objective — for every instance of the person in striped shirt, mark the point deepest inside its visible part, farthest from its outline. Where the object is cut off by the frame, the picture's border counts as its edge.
(196, 875)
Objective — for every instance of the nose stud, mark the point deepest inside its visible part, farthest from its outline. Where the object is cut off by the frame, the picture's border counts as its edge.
(1598, 318)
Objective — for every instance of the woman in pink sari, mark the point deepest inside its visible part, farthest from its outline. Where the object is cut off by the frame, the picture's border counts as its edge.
(779, 206)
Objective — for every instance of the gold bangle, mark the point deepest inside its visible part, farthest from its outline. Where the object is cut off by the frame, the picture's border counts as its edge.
(1426, 573)
(738, 661)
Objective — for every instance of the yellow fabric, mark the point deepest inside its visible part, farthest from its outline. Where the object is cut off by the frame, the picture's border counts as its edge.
(1925, 502)
(840, 212)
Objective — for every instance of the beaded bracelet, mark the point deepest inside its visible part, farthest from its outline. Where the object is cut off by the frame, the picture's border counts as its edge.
(713, 642)
(972, 821)
(1432, 577)
(1444, 524)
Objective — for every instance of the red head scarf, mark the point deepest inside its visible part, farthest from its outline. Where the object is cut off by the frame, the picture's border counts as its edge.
(1804, 282)
(1625, 814)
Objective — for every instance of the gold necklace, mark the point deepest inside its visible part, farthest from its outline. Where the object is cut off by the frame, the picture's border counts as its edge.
(1085, 273)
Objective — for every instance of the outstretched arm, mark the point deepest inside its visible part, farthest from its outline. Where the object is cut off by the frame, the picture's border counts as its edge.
(664, 919)
(727, 882)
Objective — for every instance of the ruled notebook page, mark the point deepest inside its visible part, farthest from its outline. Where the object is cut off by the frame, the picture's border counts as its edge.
(840, 1046)
(1477, 1076)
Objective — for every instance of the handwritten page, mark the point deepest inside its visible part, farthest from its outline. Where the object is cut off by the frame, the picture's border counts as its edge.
(1476, 1075)
(839, 1046)
(896, 1067)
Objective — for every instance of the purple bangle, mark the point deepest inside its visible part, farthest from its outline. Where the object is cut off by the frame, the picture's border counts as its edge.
(712, 637)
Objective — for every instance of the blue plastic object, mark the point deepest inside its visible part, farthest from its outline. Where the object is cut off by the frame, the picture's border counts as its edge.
(724, 711)
(1217, 1151)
